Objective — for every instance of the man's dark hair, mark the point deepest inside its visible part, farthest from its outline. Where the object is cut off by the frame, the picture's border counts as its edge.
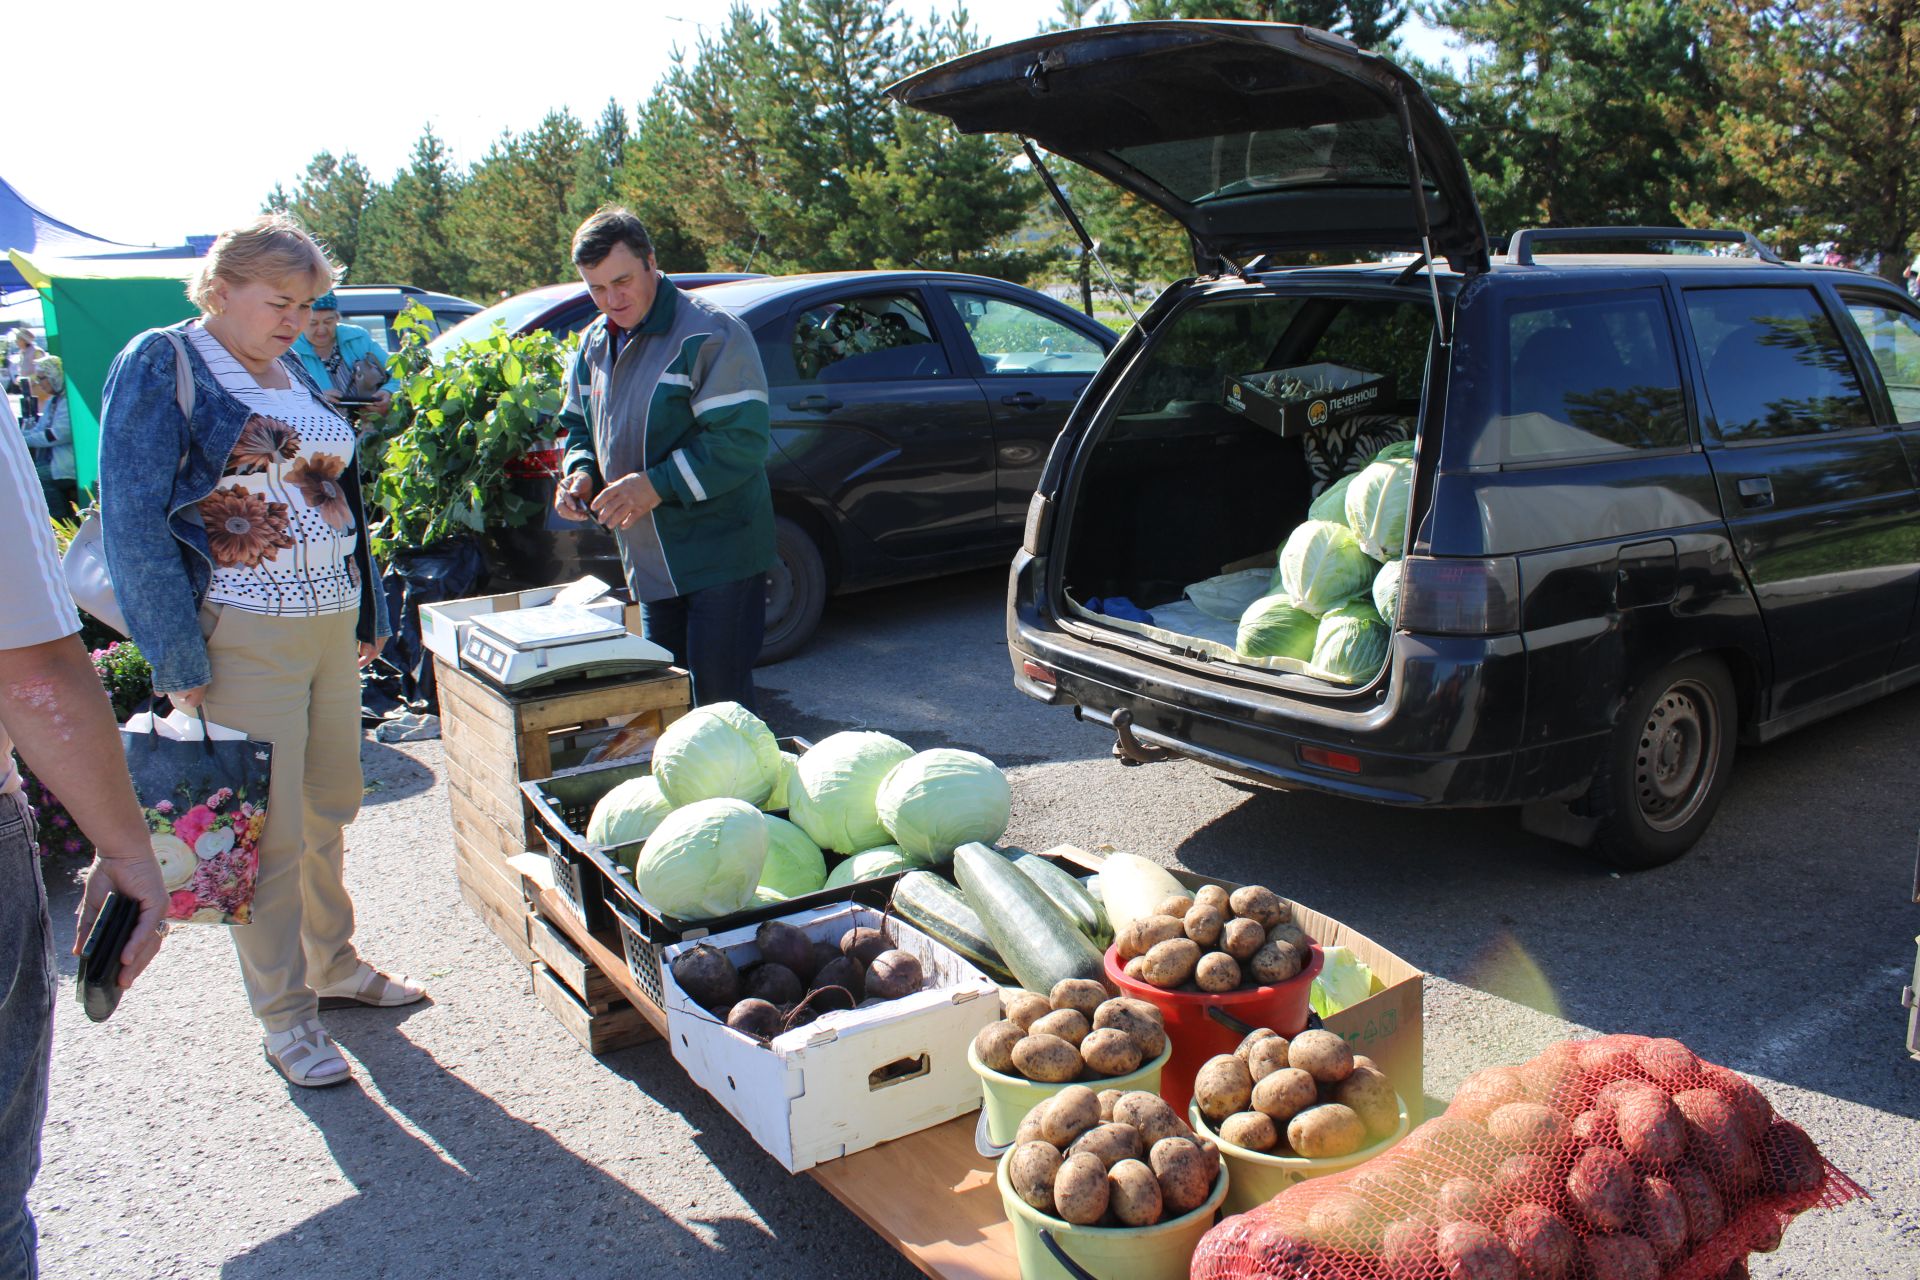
(610, 225)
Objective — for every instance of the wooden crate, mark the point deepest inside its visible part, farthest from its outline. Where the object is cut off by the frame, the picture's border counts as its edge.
(618, 1027)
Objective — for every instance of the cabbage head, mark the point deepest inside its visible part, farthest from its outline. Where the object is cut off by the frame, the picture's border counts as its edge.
(721, 749)
(1331, 505)
(884, 860)
(939, 799)
(628, 813)
(1352, 644)
(1273, 628)
(704, 859)
(1398, 449)
(1386, 591)
(831, 795)
(794, 865)
(1321, 565)
(777, 798)
(1377, 503)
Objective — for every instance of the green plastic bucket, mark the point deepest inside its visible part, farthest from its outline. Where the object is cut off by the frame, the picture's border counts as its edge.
(1163, 1251)
(1009, 1098)
(1259, 1177)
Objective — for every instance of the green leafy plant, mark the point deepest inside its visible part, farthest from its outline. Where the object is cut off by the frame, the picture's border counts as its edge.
(444, 446)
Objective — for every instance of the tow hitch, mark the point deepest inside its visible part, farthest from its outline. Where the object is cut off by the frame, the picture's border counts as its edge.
(1127, 748)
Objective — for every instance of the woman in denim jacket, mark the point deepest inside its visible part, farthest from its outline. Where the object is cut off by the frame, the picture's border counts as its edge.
(237, 545)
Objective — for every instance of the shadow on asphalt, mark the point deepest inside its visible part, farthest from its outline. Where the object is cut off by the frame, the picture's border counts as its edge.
(390, 775)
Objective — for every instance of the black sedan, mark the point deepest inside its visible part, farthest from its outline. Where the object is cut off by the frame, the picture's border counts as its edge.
(912, 412)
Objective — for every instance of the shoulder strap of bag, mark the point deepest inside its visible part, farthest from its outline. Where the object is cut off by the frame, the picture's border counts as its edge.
(182, 374)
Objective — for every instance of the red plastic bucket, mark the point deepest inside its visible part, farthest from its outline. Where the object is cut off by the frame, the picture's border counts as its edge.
(1195, 1036)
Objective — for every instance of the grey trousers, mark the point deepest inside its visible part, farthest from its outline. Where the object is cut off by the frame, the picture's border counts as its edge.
(27, 978)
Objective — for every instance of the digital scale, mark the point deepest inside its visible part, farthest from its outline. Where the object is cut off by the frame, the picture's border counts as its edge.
(528, 648)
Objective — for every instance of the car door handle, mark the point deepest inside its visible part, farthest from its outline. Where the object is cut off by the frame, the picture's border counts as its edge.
(814, 404)
(1023, 400)
(1756, 491)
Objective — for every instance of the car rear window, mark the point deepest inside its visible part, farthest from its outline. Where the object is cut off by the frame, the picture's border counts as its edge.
(1590, 376)
(1775, 365)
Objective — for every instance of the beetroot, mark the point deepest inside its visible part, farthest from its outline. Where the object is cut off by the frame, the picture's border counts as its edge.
(707, 976)
(782, 944)
(843, 972)
(756, 1018)
(774, 983)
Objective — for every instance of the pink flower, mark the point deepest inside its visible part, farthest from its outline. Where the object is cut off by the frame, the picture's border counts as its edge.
(220, 797)
(165, 806)
(181, 904)
(193, 824)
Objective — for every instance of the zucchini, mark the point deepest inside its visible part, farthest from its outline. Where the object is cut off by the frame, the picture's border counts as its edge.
(1069, 895)
(1036, 940)
(938, 910)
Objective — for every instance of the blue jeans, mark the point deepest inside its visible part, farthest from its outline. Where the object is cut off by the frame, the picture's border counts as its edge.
(26, 1032)
(715, 634)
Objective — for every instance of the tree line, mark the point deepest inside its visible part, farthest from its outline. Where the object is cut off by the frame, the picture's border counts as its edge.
(770, 145)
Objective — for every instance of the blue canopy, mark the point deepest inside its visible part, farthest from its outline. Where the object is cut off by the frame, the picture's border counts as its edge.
(28, 228)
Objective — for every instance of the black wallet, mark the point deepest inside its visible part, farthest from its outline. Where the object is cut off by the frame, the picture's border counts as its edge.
(98, 985)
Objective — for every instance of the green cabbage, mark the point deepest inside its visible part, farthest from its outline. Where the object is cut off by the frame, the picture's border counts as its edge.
(1321, 565)
(1398, 449)
(1386, 591)
(942, 798)
(794, 865)
(704, 860)
(831, 795)
(1273, 628)
(627, 814)
(1377, 508)
(1331, 505)
(777, 798)
(884, 860)
(721, 749)
(1343, 982)
(1352, 644)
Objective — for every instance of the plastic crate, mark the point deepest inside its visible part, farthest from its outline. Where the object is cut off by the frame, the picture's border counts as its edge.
(581, 882)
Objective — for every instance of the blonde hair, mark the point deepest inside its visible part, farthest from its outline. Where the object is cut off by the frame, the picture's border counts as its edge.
(272, 247)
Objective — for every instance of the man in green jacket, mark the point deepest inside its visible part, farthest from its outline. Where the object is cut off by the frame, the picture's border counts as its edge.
(666, 429)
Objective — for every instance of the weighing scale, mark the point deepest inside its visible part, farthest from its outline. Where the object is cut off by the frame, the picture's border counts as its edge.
(527, 648)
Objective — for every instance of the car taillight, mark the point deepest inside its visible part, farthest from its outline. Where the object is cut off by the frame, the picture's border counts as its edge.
(535, 463)
(1037, 673)
(1039, 518)
(1459, 597)
(1325, 759)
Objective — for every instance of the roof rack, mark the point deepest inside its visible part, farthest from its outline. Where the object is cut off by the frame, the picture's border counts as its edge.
(398, 288)
(1520, 249)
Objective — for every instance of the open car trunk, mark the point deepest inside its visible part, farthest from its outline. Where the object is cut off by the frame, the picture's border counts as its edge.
(1244, 408)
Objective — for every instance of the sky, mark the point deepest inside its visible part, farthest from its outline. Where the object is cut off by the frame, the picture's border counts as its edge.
(180, 120)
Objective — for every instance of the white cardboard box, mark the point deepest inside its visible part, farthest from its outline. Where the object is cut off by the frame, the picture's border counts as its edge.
(443, 624)
(855, 1078)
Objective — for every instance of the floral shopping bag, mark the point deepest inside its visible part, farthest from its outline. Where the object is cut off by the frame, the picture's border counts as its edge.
(204, 790)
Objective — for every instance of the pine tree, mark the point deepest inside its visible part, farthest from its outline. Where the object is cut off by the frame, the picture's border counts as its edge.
(329, 200)
(511, 216)
(406, 234)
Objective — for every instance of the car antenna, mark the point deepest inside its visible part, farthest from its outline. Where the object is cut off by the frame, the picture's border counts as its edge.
(1087, 242)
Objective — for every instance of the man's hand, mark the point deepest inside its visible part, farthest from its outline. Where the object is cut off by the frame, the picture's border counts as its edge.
(137, 876)
(571, 495)
(625, 501)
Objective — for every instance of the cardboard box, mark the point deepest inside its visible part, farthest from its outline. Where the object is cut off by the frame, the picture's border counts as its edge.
(1339, 391)
(855, 1078)
(443, 624)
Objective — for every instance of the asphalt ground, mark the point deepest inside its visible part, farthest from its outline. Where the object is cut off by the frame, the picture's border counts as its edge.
(481, 1141)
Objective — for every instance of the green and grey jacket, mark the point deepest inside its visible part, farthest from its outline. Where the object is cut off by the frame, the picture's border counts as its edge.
(685, 401)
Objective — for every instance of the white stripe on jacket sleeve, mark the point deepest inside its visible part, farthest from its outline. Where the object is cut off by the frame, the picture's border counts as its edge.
(731, 397)
(686, 473)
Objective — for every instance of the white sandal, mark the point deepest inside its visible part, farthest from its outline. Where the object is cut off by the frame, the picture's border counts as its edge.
(303, 1055)
(372, 989)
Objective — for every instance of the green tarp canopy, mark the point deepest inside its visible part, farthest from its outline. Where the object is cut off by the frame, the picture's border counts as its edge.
(92, 309)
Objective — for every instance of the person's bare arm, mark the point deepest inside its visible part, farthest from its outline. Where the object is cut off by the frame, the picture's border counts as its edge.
(63, 727)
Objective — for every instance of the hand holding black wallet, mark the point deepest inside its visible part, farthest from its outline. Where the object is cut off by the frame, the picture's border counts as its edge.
(98, 985)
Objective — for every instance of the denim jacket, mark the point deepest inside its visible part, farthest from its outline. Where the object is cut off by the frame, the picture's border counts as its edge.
(155, 466)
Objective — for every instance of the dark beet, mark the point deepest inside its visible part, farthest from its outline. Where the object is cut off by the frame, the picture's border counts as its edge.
(894, 974)
(782, 944)
(707, 976)
(774, 983)
(830, 999)
(863, 944)
(842, 971)
(823, 954)
(755, 1018)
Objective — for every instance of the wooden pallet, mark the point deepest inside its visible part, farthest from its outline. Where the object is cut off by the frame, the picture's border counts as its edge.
(618, 1027)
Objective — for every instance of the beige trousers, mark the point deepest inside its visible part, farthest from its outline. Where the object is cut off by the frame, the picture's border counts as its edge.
(294, 682)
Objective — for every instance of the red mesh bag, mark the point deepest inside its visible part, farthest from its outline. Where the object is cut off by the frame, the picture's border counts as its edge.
(1622, 1158)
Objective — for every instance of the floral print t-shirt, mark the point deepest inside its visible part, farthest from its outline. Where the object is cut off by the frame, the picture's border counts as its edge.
(281, 532)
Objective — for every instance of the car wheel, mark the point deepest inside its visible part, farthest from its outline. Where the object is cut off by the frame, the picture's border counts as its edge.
(796, 592)
(1666, 767)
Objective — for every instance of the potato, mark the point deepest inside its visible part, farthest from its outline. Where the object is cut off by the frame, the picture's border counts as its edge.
(1463, 1200)
(1267, 1057)
(1484, 1092)
(1283, 1094)
(1793, 1163)
(1341, 1219)
(1747, 1100)
(1541, 1241)
(1217, 971)
(1409, 1247)
(1250, 1129)
(1291, 934)
(1170, 964)
(1716, 1134)
(1706, 1211)
(994, 1046)
(1275, 963)
(1241, 938)
(1469, 1251)
(1150, 1114)
(1031, 1170)
(1109, 1051)
(1072, 1112)
(1602, 1188)
(1371, 1095)
(1140, 1021)
(1244, 1050)
(1145, 933)
(1529, 1126)
(1083, 994)
(1212, 895)
(1525, 1177)
(1621, 1258)
(1069, 1024)
(1181, 1168)
(1203, 924)
(1662, 1222)
(1222, 1086)
(1595, 1129)
(1326, 1130)
(1176, 905)
(1650, 1127)
(1080, 1190)
(1136, 968)
(1024, 1008)
(1668, 1063)
(1046, 1059)
(1107, 1098)
(1322, 1055)
(1256, 902)
(1133, 1194)
(1553, 1077)
(1029, 1130)
(1110, 1144)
